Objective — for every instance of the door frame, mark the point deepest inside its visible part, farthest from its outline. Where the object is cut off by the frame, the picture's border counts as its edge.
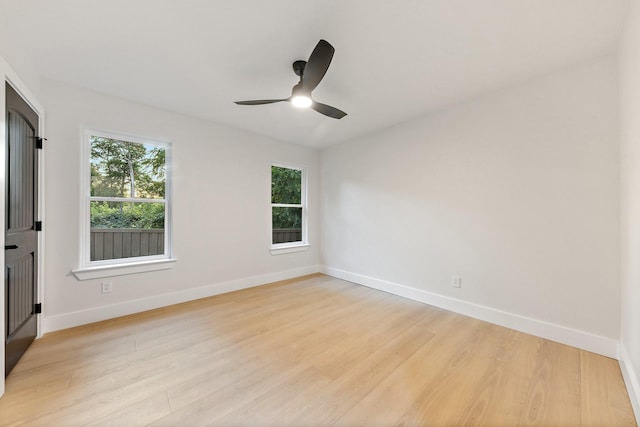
(8, 75)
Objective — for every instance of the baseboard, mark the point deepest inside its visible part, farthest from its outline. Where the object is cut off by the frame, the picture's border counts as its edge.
(83, 317)
(631, 380)
(573, 337)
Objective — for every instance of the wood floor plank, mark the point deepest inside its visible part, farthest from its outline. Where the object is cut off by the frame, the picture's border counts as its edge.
(264, 371)
(553, 394)
(432, 382)
(279, 403)
(347, 390)
(138, 414)
(601, 385)
(257, 362)
(309, 351)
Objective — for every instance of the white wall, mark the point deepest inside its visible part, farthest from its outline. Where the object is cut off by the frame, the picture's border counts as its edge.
(630, 183)
(221, 208)
(517, 192)
(11, 56)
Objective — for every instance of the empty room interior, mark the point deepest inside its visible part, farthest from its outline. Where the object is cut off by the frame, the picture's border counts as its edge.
(323, 212)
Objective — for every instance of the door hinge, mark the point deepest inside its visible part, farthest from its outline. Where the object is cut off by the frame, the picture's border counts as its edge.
(39, 141)
(38, 226)
(38, 308)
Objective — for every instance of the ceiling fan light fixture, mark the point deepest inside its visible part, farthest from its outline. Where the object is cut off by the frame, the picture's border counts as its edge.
(311, 73)
(301, 101)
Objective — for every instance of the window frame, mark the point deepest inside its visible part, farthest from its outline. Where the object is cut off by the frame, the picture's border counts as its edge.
(114, 267)
(303, 244)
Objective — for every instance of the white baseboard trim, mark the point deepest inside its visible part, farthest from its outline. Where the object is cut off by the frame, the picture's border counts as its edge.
(562, 334)
(97, 314)
(631, 380)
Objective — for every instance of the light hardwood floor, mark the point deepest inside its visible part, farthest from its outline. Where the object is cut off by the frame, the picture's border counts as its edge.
(309, 351)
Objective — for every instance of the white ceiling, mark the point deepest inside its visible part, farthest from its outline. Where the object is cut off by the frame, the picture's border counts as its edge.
(394, 60)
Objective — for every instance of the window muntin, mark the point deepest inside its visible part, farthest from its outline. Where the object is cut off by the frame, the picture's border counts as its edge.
(288, 206)
(127, 205)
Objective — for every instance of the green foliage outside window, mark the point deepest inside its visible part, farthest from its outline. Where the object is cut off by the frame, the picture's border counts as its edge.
(127, 215)
(127, 170)
(286, 188)
(286, 185)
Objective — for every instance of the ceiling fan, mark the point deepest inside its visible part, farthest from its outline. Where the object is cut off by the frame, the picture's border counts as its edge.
(311, 73)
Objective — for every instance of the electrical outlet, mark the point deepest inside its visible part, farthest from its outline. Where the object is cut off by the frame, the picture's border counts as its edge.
(456, 281)
(107, 287)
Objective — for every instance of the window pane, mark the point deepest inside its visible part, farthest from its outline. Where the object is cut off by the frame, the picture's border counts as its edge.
(126, 169)
(125, 230)
(287, 225)
(286, 185)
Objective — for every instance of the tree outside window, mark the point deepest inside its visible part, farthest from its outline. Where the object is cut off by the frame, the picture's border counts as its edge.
(287, 205)
(128, 199)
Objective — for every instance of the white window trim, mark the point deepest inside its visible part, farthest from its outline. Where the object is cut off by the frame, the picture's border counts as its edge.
(106, 268)
(290, 247)
(281, 250)
(96, 272)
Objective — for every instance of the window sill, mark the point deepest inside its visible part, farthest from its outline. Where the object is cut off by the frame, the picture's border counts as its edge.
(278, 250)
(97, 272)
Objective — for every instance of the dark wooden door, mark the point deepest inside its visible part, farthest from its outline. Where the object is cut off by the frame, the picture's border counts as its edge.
(20, 254)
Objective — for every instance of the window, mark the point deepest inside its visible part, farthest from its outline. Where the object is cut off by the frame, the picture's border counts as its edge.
(126, 210)
(288, 207)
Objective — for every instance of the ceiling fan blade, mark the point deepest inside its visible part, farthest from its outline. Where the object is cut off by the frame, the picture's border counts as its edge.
(260, 101)
(317, 65)
(328, 110)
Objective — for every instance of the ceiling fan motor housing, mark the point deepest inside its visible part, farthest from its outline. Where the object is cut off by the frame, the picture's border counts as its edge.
(299, 90)
(298, 67)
